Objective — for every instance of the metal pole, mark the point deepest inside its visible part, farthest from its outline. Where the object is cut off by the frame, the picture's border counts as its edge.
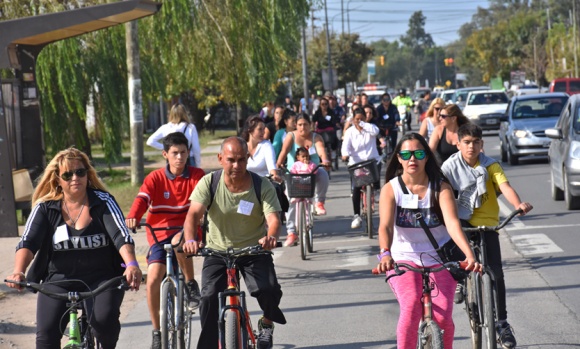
(342, 12)
(348, 15)
(135, 102)
(304, 67)
(330, 77)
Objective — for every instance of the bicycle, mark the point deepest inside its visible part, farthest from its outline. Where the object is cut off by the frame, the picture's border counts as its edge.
(174, 313)
(79, 329)
(430, 334)
(301, 187)
(235, 325)
(480, 291)
(364, 175)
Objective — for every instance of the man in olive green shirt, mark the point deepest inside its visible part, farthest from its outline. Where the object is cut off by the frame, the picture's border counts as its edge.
(236, 219)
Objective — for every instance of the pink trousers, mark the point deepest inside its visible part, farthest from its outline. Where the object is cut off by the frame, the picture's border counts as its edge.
(408, 289)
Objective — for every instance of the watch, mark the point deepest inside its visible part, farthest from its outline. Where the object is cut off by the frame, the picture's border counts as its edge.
(383, 250)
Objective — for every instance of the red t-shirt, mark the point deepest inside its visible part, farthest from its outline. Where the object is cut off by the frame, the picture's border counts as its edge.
(167, 198)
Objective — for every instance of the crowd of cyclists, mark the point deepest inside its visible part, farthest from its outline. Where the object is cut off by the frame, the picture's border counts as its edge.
(442, 162)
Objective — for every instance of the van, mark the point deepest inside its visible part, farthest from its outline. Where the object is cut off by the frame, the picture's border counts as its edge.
(569, 85)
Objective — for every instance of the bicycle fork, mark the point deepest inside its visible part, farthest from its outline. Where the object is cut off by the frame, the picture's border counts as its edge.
(234, 300)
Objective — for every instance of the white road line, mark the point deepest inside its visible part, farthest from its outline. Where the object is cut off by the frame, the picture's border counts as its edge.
(515, 223)
(354, 256)
(531, 227)
(530, 244)
(372, 242)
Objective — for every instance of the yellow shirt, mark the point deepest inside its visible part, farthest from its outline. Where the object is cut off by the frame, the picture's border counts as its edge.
(488, 213)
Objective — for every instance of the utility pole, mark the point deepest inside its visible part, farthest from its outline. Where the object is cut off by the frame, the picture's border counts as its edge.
(330, 77)
(304, 67)
(342, 12)
(549, 29)
(575, 38)
(135, 102)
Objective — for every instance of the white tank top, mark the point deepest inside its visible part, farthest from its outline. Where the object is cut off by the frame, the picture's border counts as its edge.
(410, 243)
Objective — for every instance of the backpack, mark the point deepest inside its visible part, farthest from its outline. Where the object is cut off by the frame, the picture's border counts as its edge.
(215, 179)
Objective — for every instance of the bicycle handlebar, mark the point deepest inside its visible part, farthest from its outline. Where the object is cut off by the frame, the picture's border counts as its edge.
(232, 253)
(150, 229)
(399, 271)
(285, 169)
(120, 280)
(483, 228)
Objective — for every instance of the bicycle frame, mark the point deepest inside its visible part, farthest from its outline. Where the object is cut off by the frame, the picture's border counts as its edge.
(304, 223)
(367, 200)
(178, 333)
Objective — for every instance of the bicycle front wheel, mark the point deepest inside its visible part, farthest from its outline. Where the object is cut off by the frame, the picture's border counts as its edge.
(233, 335)
(369, 203)
(310, 228)
(488, 311)
(302, 229)
(184, 331)
(472, 301)
(167, 316)
(430, 336)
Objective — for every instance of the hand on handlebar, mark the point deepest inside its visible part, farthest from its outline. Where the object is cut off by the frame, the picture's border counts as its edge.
(472, 265)
(268, 242)
(385, 264)
(525, 207)
(191, 247)
(15, 277)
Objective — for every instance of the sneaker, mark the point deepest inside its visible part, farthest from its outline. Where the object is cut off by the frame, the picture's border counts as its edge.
(506, 336)
(194, 294)
(356, 222)
(156, 343)
(458, 297)
(265, 335)
(320, 210)
(291, 240)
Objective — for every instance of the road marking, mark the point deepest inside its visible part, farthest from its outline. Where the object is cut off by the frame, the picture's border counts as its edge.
(342, 241)
(529, 227)
(277, 253)
(530, 244)
(354, 256)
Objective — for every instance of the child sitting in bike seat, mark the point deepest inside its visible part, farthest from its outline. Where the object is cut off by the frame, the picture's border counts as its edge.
(478, 179)
(302, 165)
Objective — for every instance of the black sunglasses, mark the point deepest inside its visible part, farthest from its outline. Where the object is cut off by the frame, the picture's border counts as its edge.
(79, 172)
(437, 109)
(443, 116)
(419, 154)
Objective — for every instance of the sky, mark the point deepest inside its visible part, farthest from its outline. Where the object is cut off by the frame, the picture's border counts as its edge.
(389, 19)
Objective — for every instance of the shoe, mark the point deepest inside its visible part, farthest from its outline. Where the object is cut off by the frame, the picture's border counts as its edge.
(320, 210)
(156, 343)
(291, 240)
(265, 335)
(356, 222)
(506, 335)
(194, 294)
(458, 297)
(377, 196)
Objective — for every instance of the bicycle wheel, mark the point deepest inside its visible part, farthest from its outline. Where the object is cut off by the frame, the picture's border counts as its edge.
(184, 332)
(472, 300)
(167, 316)
(369, 209)
(233, 335)
(302, 229)
(488, 311)
(430, 336)
(309, 229)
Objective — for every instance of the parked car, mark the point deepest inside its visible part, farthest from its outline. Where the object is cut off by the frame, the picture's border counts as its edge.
(447, 96)
(522, 132)
(569, 85)
(486, 108)
(460, 95)
(564, 155)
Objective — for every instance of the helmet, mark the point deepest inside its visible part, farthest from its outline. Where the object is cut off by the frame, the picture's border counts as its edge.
(402, 91)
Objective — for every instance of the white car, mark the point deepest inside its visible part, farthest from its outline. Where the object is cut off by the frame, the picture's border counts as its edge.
(486, 108)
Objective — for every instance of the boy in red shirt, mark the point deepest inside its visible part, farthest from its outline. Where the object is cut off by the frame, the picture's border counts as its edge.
(165, 193)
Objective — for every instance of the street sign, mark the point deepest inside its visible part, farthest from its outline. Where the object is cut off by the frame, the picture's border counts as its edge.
(371, 67)
(447, 83)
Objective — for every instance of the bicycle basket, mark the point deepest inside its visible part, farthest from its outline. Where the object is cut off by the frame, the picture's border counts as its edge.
(364, 173)
(300, 185)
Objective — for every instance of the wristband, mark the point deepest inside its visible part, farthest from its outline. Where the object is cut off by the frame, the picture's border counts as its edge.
(192, 240)
(383, 254)
(130, 264)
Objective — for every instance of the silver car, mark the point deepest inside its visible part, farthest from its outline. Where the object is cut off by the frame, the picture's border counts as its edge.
(522, 131)
(564, 155)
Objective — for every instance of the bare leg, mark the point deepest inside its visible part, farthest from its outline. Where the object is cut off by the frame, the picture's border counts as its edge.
(155, 274)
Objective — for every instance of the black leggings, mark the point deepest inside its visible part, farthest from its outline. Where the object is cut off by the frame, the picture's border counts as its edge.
(330, 138)
(260, 278)
(104, 318)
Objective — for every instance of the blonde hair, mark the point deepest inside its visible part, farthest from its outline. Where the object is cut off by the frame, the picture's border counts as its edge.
(178, 114)
(48, 188)
(437, 100)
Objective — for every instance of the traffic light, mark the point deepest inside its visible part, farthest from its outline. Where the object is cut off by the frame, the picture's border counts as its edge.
(448, 62)
(382, 60)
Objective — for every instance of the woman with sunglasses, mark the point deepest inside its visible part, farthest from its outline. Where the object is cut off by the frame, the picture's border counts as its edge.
(76, 231)
(431, 118)
(402, 239)
(444, 139)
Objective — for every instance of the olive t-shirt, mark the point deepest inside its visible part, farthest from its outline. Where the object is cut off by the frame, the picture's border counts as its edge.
(235, 219)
